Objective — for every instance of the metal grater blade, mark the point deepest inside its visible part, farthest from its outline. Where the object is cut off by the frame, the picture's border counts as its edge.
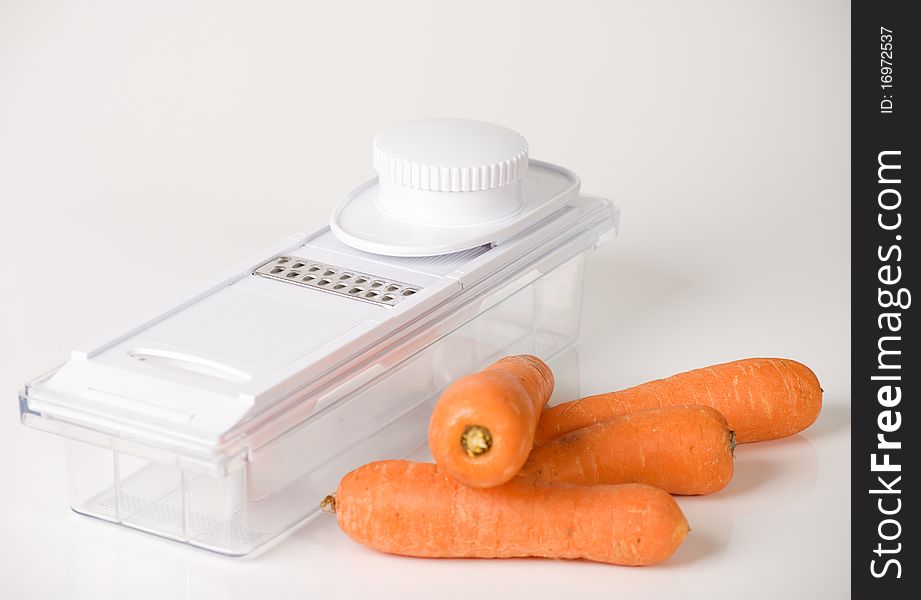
(336, 280)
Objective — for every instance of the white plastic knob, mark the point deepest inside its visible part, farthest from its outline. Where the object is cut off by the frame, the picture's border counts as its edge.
(450, 171)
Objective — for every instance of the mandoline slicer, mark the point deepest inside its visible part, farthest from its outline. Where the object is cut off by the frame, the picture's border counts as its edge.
(224, 418)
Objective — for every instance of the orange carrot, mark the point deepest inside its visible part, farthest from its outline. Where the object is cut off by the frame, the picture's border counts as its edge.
(681, 449)
(482, 427)
(416, 509)
(761, 398)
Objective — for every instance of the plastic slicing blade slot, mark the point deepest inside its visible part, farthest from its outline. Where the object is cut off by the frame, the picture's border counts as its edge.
(336, 280)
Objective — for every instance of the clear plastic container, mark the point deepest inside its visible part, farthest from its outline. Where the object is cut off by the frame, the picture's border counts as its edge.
(192, 438)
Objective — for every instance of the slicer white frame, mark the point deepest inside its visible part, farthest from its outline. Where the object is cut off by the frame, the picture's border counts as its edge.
(221, 419)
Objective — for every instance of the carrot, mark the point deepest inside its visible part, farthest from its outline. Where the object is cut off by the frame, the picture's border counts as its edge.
(482, 426)
(681, 449)
(416, 509)
(761, 398)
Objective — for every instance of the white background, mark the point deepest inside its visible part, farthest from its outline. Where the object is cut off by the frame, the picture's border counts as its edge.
(146, 145)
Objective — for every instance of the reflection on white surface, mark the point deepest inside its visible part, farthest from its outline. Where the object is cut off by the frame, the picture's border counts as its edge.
(771, 474)
(712, 527)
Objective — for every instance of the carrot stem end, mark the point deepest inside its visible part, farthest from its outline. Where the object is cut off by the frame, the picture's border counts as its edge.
(476, 440)
(328, 504)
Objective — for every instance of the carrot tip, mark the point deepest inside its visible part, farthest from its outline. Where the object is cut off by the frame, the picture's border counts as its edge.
(328, 504)
(476, 440)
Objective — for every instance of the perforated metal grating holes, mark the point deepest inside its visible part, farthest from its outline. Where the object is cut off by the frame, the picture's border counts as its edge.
(336, 280)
